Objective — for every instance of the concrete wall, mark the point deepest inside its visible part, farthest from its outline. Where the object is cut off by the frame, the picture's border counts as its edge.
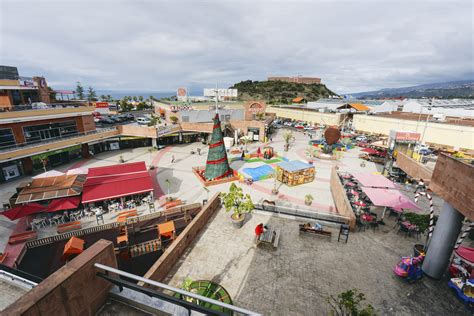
(45, 112)
(170, 257)
(341, 201)
(436, 133)
(306, 115)
(137, 130)
(72, 290)
(413, 168)
(453, 180)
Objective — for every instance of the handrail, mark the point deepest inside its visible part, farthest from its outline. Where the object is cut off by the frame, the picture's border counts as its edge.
(10, 276)
(175, 290)
(55, 140)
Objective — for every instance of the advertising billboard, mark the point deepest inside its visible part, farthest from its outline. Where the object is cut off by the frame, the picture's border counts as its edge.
(182, 94)
(222, 93)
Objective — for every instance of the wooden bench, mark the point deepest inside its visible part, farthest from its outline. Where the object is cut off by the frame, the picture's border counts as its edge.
(173, 204)
(22, 237)
(62, 228)
(131, 211)
(309, 229)
(124, 215)
(270, 236)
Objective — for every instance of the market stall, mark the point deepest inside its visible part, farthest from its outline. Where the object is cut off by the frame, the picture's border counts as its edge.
(295, 172)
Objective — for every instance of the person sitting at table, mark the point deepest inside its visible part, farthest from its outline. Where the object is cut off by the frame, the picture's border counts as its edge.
(259, 229)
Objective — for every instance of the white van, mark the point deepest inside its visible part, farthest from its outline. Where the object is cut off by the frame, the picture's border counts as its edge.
(143, 120)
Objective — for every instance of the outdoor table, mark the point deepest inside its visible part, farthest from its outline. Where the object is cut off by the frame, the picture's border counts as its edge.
(347, 176)
(350, 184)
(354, 192)
(267, 236)
(99, 216)
(367, 217)
(38, 222)
(58, 219)
(358, 203)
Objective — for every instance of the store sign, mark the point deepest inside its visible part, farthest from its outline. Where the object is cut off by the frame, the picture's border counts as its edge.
(256, 107)
(407, 137)
(102, 105)
(231, 93)
(26, 82)
(11, 172)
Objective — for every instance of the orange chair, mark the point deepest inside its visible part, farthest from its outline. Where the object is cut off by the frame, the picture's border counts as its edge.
(167, 230)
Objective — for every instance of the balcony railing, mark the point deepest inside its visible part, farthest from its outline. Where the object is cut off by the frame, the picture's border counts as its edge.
(44, 106)
(54, 140)
(110, 273)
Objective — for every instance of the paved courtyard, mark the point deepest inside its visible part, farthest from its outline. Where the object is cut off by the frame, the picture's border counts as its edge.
(298, 276)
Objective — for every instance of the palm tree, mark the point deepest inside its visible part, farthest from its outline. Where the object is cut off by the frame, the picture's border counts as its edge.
(287, 137)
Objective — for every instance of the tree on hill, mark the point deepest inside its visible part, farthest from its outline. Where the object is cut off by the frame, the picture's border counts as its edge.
(279, 91)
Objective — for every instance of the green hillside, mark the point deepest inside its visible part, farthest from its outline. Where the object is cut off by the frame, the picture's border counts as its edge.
(279, 92)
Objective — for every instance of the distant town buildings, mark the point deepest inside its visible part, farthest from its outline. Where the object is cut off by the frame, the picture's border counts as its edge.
(297, 79)
(18, 90)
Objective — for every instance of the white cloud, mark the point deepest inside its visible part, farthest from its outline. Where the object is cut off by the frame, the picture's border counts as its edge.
(150, 45)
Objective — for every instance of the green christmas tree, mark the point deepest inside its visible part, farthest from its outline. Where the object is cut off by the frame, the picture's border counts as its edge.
(217, 165)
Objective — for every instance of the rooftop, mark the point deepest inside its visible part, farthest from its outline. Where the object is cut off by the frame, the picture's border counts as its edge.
(298, 276)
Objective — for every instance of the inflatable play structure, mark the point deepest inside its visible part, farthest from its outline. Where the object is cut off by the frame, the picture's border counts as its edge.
(409, 268)
(208, 289)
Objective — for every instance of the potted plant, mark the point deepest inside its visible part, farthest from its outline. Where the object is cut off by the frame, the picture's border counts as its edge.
(239, 204)
(308, 199)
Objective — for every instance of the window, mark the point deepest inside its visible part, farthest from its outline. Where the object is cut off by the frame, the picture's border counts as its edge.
(6, 138)
(37, 133)
(227, 117)
(185, 118)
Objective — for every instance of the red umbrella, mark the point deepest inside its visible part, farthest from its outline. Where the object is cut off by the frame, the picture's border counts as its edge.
(23, 210)
(258, 151)
(63, 204)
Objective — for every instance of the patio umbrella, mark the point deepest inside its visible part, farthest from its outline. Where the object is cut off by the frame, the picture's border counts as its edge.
(63, 204)
(48, 174)
(23, 210)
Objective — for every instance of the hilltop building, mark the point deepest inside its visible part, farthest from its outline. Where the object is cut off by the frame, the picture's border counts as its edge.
(297, 79)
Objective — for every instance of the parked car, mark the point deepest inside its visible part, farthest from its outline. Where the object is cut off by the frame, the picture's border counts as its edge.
(425, 151)
(143, 120)
(106, 120)
(361, 138)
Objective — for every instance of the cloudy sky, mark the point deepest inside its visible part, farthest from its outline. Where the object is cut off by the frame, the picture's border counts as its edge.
(161, 45)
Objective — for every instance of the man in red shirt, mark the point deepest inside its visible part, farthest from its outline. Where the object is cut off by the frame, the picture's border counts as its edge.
(259, 229)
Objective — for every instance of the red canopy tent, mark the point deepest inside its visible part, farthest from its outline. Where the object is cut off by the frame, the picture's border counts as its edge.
(64, 204)
(115, 181)
(23, 210)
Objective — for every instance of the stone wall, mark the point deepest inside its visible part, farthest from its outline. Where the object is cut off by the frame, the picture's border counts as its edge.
(72, 290)
(341, 201)
(170, 257)
(413, 168)
(453, 180)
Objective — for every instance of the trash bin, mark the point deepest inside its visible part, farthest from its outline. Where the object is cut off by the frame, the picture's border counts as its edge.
(418, 249)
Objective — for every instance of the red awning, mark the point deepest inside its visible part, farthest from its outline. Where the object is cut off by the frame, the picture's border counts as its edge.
(63, 204)
(466, 253)
(111, 182)
(23, 210)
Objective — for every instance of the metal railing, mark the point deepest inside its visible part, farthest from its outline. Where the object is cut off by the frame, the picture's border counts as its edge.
(162, 286)
(47, 106)
(17, 279)
(54, 140)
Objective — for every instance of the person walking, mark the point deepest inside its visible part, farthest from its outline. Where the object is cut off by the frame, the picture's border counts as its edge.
(172, 159)
(199, 151)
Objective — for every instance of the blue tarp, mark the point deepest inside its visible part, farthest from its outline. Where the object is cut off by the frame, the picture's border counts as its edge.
(294, 165)
(258, 172)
